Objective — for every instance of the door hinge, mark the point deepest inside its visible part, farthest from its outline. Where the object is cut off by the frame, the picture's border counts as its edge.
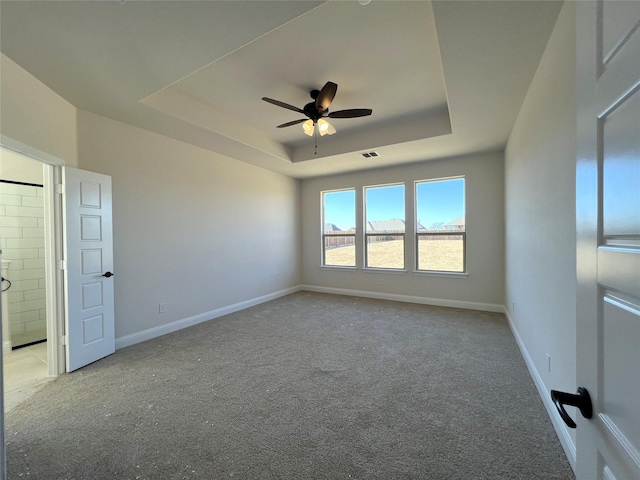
(64, 340)
(62, 264)
(60, 189)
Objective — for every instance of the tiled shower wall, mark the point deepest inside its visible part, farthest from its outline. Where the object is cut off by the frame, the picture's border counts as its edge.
(22, 242)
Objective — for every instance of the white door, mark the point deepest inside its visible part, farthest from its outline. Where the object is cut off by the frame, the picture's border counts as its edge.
(90, 325)
(608, 238)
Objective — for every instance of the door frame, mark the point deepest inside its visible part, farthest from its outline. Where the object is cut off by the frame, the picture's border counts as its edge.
(53, 228)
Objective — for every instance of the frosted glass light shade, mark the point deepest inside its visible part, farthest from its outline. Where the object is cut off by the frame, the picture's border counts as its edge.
(308, 127)
(325, 127)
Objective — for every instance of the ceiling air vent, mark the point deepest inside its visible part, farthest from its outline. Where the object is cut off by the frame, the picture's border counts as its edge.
(370, 154)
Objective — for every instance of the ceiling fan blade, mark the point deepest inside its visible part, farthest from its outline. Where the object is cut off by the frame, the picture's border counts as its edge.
(283, 105)
(295, 122)
(325, 97)
(351, 113)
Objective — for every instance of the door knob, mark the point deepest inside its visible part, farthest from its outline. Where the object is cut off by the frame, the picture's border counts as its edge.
(582, 400)
(108, 274)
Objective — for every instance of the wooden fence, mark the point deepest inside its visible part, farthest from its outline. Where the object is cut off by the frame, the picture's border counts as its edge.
(347, 238)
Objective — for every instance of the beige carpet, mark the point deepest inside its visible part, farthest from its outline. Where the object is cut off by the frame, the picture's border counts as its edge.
(307, 386)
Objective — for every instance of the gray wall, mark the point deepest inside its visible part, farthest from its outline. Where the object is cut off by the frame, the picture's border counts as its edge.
(484, 285)
(540, 251)
(192, 229)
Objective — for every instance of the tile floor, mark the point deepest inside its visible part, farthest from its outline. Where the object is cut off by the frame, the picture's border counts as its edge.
(25, 372)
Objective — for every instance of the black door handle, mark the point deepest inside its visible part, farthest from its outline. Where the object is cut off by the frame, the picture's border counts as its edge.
(108, 274)
(582, 400)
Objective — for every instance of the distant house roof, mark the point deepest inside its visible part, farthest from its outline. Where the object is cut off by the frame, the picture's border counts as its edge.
(392, 225)
(330, 227)
(457, 222)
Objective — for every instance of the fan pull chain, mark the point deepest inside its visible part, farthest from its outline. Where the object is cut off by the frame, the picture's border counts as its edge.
(315, 140)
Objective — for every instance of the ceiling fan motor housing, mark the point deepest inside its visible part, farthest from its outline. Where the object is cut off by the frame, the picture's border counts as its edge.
(312, 112)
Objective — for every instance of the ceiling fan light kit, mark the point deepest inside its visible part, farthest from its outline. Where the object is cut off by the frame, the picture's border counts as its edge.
(318, 110)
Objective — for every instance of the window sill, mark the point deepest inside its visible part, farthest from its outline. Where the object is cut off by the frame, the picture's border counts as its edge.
(421, 273)
(391, 271)
(338, 267)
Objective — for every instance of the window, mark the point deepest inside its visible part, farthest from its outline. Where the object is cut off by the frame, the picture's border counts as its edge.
(339, 233)
(384, 221)
(440, 225)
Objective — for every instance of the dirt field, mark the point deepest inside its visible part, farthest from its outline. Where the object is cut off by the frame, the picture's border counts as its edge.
(443, 255)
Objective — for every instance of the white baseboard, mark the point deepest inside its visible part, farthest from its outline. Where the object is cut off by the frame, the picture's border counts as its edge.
(174, 326)
(6, 347)
(160, 330)
(561, 429)
(485, 307)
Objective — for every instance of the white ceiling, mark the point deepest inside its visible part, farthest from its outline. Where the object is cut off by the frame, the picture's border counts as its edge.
(443, 78)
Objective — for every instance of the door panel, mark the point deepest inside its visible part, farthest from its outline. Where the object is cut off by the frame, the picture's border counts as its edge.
(90, 324)
(621, 168)
(608, 237)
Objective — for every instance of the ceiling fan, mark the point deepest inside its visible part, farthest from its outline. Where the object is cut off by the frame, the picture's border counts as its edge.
(318, 110)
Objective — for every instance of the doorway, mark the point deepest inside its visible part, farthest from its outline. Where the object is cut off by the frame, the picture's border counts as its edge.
(31, 350)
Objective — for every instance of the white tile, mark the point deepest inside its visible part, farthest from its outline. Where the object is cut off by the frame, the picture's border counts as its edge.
(33, 263)
(3, 243)
(28, 337)
(16, 328)
(19, 253)
(13, 211)
(11, 232)
(23, 317)
(21, 285)
(37, 326)
(13, 297)
(33, 202)
(33, 232)
(3, 210)
(29, 242)
(27, 274)
(40, 351)
(16, 265)
(10, 199)
(34, 294)
(15, 189)
(18, 222)
(41, 222)
(26, 306)
(25, 372)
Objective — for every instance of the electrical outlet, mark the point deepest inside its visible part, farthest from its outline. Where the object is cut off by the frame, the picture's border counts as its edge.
(162, 308)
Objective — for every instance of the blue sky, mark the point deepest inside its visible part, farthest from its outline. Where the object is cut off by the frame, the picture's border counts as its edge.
(340, 209)
(439, 201)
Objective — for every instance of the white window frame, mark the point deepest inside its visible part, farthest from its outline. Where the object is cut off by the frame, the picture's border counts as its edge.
(366, 235)
(430, 234)
(345, 235)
